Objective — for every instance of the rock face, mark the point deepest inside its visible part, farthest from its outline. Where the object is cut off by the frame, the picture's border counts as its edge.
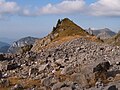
(4, 47)
(102, 33)
(15, 47)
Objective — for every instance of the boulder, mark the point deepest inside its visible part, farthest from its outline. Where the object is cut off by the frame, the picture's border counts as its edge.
(67, 70)
(76, 86)
(61, 86)
(1, 74)
(47, 81)
(3, 65)
(2, 57)
(99, 84)
(18, 87)
(4, 83)
(104, 66)
(57, 86)
(12, 66)
(113, 87)
(34, 71)
(42, 68)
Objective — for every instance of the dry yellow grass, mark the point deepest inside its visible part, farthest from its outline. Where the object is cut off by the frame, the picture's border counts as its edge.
(27, 83)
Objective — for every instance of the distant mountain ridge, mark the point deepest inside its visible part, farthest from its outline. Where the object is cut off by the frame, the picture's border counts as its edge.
(4, 47)
(21, 43)
(102, 33)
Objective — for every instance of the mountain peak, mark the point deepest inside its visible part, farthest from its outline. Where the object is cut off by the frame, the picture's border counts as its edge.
(65, 30)
(66, 20)
(66, 27)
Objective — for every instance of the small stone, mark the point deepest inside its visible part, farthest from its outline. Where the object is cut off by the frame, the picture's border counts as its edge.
(33, 71)
(99, 84)
(42, 68)
(4, 83)
(67, 70)
(57, 86)
(66, 88)
(46, 81)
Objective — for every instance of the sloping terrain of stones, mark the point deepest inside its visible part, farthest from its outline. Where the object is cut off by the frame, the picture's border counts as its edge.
(66, 67)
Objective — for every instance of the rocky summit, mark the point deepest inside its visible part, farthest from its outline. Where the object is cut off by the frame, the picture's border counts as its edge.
(66, 59)
(65, 30)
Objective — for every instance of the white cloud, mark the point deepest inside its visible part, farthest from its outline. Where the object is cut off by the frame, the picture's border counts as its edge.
(105, 8)
(98, 8)
(26, 12)
(8, 8)
(66, 6)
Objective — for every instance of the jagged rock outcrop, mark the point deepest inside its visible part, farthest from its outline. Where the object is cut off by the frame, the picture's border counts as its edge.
(16, 46)
(102, 33)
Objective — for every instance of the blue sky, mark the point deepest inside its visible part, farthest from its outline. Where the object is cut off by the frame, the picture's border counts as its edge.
(20, 18)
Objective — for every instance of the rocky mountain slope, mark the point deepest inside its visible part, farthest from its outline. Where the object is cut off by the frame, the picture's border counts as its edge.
(65, 30)
(67, 59)
(15, 47)
(102, 33)
(4, 47)
(74, 65)
(115, 40)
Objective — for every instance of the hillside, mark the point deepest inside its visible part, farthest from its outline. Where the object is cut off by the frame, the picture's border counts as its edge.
(78, 64)
(15, 47)
(115, 40)
(105, 33)
(65, 30)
